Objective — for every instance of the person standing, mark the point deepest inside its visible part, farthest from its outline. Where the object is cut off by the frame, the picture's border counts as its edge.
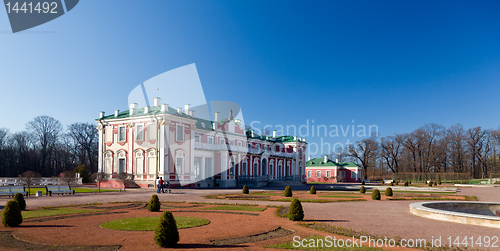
(160, 182)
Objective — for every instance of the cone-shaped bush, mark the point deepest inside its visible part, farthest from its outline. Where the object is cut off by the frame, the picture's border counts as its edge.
(397, 183)
(362, 189)
(383, 182)
(439, 182)
(295, 212)
(430, 183)
(363, 182)
(245, 189)
(154, 204)
(288, 191)
(20, 200)
(406, 183)
(388, 191)
(12, 216)
(166, 233)
(312, 190)
(376, 194)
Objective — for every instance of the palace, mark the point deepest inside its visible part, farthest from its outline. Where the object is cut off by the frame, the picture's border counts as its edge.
(188, 151)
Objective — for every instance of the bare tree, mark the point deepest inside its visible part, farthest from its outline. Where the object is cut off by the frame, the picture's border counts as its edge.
(339, 154)
(84, 136)
(365, 151)
(30, 178)
(46, 131)
(125, 178)
(98, 177)
(390, 151)
(68, 177)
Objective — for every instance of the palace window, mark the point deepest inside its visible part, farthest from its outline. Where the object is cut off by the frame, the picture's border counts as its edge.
(180, 133)
(140, 133)
(353, 175)
(197, 138)
(309, 174)
(210, 140)
(318, 174)
(122, 136)
(328, 174)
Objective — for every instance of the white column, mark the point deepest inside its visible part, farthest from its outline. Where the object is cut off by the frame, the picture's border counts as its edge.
(101, 153)
(130, 157)
(161, 148)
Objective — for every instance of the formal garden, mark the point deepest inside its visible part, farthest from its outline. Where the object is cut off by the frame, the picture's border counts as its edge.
(155, 224)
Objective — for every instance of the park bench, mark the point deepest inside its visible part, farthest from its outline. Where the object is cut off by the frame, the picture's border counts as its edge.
(59, 190)
(12, 190)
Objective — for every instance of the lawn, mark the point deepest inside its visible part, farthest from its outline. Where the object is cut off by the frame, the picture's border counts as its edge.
(149, 223)
(54, 212)
(339, 196)
(77, 190)
(237, 208)
(320, 243)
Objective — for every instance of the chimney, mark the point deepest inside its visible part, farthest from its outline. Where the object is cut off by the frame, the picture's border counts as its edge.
(274, 133)
(253, 135)
(191, 113)
(146, 109)
(157, 101)
(164, 108)
(217, 117)
(117, 112)
(304, 139)
(295, 138)
(336, 160)
(186, 109)
(131, 107)
(309, 158)
(101, 115)
(326, 158)
(179, 110)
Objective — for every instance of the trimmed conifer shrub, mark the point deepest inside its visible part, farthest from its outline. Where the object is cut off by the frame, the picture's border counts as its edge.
(295, 212)
(383, 182)
(376, 194)
(20, 200)
(245, 190)
(166, 233)
(362, 189)
(439, 182)
(392, 184)
(12, 216)
(397, 182)
(288, 192)
(430, 183)
(312, 190)
(409, 182)
(388, 191)
(154, 204)
(363, 182)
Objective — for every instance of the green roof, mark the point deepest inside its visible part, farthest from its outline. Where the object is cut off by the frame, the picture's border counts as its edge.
(200, 123)
(320, 162)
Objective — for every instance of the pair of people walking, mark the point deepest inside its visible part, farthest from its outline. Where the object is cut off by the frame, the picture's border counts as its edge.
(161, 185)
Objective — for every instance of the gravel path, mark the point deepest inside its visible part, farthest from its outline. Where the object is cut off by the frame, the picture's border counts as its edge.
(381, 218)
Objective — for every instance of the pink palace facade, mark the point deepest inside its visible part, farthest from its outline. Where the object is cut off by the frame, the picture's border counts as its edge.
(191, 152)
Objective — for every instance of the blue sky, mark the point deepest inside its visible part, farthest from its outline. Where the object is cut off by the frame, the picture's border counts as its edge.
(394, 64)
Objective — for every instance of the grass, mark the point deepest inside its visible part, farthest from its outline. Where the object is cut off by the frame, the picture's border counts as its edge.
(422, 192)
(339, 196)
(77, 190)
(54, 212)
(315, 242)
(149, 223)
(237, 208)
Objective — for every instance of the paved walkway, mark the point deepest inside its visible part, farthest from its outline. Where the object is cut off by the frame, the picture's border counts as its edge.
(381, 218)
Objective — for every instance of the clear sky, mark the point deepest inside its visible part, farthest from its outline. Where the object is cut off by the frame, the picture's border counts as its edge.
(394, 64)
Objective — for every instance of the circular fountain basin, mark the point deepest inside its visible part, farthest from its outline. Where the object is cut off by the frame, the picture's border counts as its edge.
(465, 212)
